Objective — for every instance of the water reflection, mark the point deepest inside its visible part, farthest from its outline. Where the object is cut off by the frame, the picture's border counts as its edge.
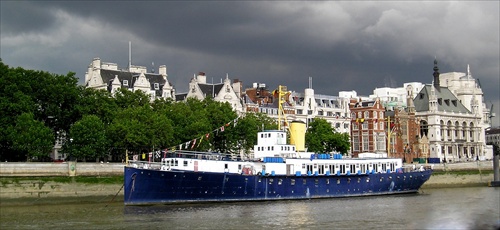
(458, 208)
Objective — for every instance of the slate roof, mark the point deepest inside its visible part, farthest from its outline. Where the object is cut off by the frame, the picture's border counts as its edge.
(210, 89)
(447, 101)
(109, 75)
(180, 96)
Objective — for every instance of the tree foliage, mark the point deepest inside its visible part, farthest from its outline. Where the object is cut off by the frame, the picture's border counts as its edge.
(31, 137)
(322, 138)
(87, 139)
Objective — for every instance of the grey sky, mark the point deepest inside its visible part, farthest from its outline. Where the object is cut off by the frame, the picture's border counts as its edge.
(341, 45)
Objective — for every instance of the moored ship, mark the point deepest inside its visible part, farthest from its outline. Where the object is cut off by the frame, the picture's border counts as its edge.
(276, 172)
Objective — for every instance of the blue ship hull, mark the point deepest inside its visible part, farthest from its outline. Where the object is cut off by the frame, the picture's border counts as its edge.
(147, 186)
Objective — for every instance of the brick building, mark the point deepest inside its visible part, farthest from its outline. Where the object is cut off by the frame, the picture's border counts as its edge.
(368, 132)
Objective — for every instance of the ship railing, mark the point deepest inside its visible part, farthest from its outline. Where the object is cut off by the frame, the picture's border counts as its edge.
(198, 155)
(145, 164)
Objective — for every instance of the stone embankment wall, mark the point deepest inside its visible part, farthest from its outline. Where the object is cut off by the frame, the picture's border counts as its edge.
(60, 169)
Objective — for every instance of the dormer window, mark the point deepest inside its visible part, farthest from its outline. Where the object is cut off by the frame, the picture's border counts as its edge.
(454, 103)
(447, 102)
(157, 86)
(440, 101)
(228, 89)
(125, 82)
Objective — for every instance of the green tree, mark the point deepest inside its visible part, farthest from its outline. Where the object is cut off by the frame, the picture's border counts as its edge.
(139, 129)
(31, 137)
(126, 99)
(322, 138)
(245, 131)
(97, 102)
(87, 139)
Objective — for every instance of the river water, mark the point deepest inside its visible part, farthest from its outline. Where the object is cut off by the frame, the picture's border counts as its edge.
(447, 208)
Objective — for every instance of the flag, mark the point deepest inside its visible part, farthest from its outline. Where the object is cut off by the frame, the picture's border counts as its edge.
(194, 142)
(199, 143)
(222, 128)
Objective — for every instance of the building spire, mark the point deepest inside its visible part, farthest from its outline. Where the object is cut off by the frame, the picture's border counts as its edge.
(436, 75)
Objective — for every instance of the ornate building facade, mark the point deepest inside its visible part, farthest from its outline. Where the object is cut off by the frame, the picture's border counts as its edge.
(107, 76)
(454, 132)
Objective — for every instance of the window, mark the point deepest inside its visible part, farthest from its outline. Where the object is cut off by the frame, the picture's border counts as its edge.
(380, 141)
(185, 163)
(365, 141)
(157, 86)
(125, 82)
(355, 142)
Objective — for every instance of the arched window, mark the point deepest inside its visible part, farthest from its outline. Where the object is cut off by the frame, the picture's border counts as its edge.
(424, 129)
(441, 124)
(464, 127)
(448, 133)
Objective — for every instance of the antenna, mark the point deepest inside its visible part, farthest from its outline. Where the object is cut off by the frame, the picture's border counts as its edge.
(310, 83)
(129, 55)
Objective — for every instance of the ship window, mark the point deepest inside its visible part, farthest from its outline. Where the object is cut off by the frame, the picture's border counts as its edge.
(271, 181)
(239, 167)
(304, 181)
(176, 163)
(338, 181)
(225, 166)
(327, 180)
(185, 163)
(280, 181)
(292, 181)
(199, 178)
(316, 181)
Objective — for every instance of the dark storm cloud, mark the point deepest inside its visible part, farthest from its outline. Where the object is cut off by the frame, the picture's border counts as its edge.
(341, 45)
(24, 17)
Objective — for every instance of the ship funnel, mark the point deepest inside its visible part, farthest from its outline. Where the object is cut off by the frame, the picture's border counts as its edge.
(298, 135)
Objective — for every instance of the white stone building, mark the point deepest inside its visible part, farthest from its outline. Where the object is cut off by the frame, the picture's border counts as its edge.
(103, 75)
(225, 91)
(454, 131)
(333, 109)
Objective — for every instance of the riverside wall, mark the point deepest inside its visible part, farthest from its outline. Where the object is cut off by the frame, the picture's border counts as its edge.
(25, 180)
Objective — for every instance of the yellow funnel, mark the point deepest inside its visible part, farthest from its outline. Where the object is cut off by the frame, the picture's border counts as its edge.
(298, 135)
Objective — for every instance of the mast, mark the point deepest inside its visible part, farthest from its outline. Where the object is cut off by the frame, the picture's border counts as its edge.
(282, 90)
